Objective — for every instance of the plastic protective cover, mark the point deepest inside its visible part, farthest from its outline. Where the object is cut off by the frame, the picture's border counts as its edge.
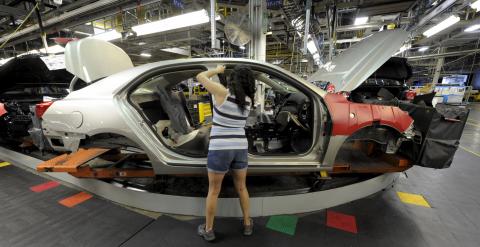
(351, 68)
(36, 132)
(441, 129)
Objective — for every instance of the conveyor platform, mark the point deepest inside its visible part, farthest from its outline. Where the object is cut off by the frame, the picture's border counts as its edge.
(227, 207)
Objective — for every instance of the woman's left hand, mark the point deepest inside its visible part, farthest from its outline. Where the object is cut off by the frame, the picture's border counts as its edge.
(220, 69)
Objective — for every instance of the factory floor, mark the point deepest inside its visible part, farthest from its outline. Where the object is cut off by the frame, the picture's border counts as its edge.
(426, 207)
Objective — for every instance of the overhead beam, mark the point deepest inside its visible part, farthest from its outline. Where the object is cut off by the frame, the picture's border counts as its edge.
(382, 9)
(446, 54)
(438, 10)
(93, 11)
(7, 10)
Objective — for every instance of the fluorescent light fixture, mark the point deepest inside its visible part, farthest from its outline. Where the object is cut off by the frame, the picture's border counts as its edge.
(97, 30)
(180, 50)
(179, 21)
(142, 43)
(442, 25)
(218, 17)
(29, 53)
(422, 49)
(311, 47)
(144, 54)
(5, 60)
(304, 60)
(360, 20)
(403, 48)
(242, 47)
(269, 33)
(83, 33)
(473, 28)
(316, 58)
(53, 49)
(108, 36)
(476, 5)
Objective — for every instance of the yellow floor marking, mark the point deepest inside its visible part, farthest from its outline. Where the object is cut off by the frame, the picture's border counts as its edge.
(413, 199)
(323, 174)
(2, 164)
(476, 125)
(472, 120)
(470, 151)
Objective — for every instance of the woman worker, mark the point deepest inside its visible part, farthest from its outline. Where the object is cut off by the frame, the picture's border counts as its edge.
(228, 148)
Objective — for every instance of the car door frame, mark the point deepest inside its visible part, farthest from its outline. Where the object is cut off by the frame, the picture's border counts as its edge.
(309, 161)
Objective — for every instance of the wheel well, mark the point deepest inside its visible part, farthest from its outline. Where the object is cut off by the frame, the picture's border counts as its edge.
(369, 140)
(109, 140)
(380, 134)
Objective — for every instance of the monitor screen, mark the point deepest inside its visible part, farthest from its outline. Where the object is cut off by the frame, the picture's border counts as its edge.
(455, 79)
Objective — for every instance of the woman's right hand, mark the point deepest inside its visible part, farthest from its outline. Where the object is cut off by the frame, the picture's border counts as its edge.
(220, 69)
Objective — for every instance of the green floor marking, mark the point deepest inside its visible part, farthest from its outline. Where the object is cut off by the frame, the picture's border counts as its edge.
(283, 223)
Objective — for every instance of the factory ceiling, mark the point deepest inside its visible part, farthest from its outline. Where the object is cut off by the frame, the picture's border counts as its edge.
(334, 26)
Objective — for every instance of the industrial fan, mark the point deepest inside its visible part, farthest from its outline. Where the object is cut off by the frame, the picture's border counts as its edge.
(237, 29)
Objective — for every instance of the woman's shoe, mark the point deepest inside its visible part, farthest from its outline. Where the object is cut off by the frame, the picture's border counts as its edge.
(248, 229)
(207, 235)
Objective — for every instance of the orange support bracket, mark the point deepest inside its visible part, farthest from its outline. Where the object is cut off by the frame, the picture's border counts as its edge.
(74, 165)
(71, 162)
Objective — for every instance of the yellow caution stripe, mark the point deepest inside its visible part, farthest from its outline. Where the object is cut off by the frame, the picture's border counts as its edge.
(2, 164)
(470, 151)
(414, 199)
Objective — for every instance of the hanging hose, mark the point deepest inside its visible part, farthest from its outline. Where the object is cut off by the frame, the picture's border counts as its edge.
(19, 26)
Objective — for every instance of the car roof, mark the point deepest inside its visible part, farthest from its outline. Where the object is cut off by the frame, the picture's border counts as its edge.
(111, 85)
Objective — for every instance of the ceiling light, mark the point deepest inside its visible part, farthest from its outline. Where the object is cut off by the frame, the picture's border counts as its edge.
(304, 60)
(473, 28)
(269, 33)
(82, 33)
(403, 48)
(360, 20)
(179, 21)
(142, 43)
(476, 5)
(442, 25)
(53, 49)
(311, 47)
(422, 49)
(242, 47)
(108, 36)
(30, 52)
(5, 60)
(144, 54)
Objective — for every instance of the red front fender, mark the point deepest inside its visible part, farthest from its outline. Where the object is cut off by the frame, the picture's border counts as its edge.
(348, 117)
(3, 111)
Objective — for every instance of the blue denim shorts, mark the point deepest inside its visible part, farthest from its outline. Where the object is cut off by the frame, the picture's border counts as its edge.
(220, 161)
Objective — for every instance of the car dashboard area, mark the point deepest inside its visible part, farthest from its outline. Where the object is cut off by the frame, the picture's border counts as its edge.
(284, 128)
(181, 116)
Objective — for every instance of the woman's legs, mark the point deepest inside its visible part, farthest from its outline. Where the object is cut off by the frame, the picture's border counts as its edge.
(214, 187)
(239, 180)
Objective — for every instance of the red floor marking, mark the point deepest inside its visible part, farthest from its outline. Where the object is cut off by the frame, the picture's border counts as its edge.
(341, 221)
(75, 199)
(44, 186)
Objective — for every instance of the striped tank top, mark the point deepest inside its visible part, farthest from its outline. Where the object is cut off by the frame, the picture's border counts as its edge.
(228, 130)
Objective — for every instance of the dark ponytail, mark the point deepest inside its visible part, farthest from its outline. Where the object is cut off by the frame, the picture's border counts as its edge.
(242, 84)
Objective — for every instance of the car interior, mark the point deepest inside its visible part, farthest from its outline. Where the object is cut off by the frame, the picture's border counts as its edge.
(179, 110)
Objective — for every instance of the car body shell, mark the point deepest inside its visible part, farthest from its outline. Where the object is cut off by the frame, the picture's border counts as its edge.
(103, 107)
